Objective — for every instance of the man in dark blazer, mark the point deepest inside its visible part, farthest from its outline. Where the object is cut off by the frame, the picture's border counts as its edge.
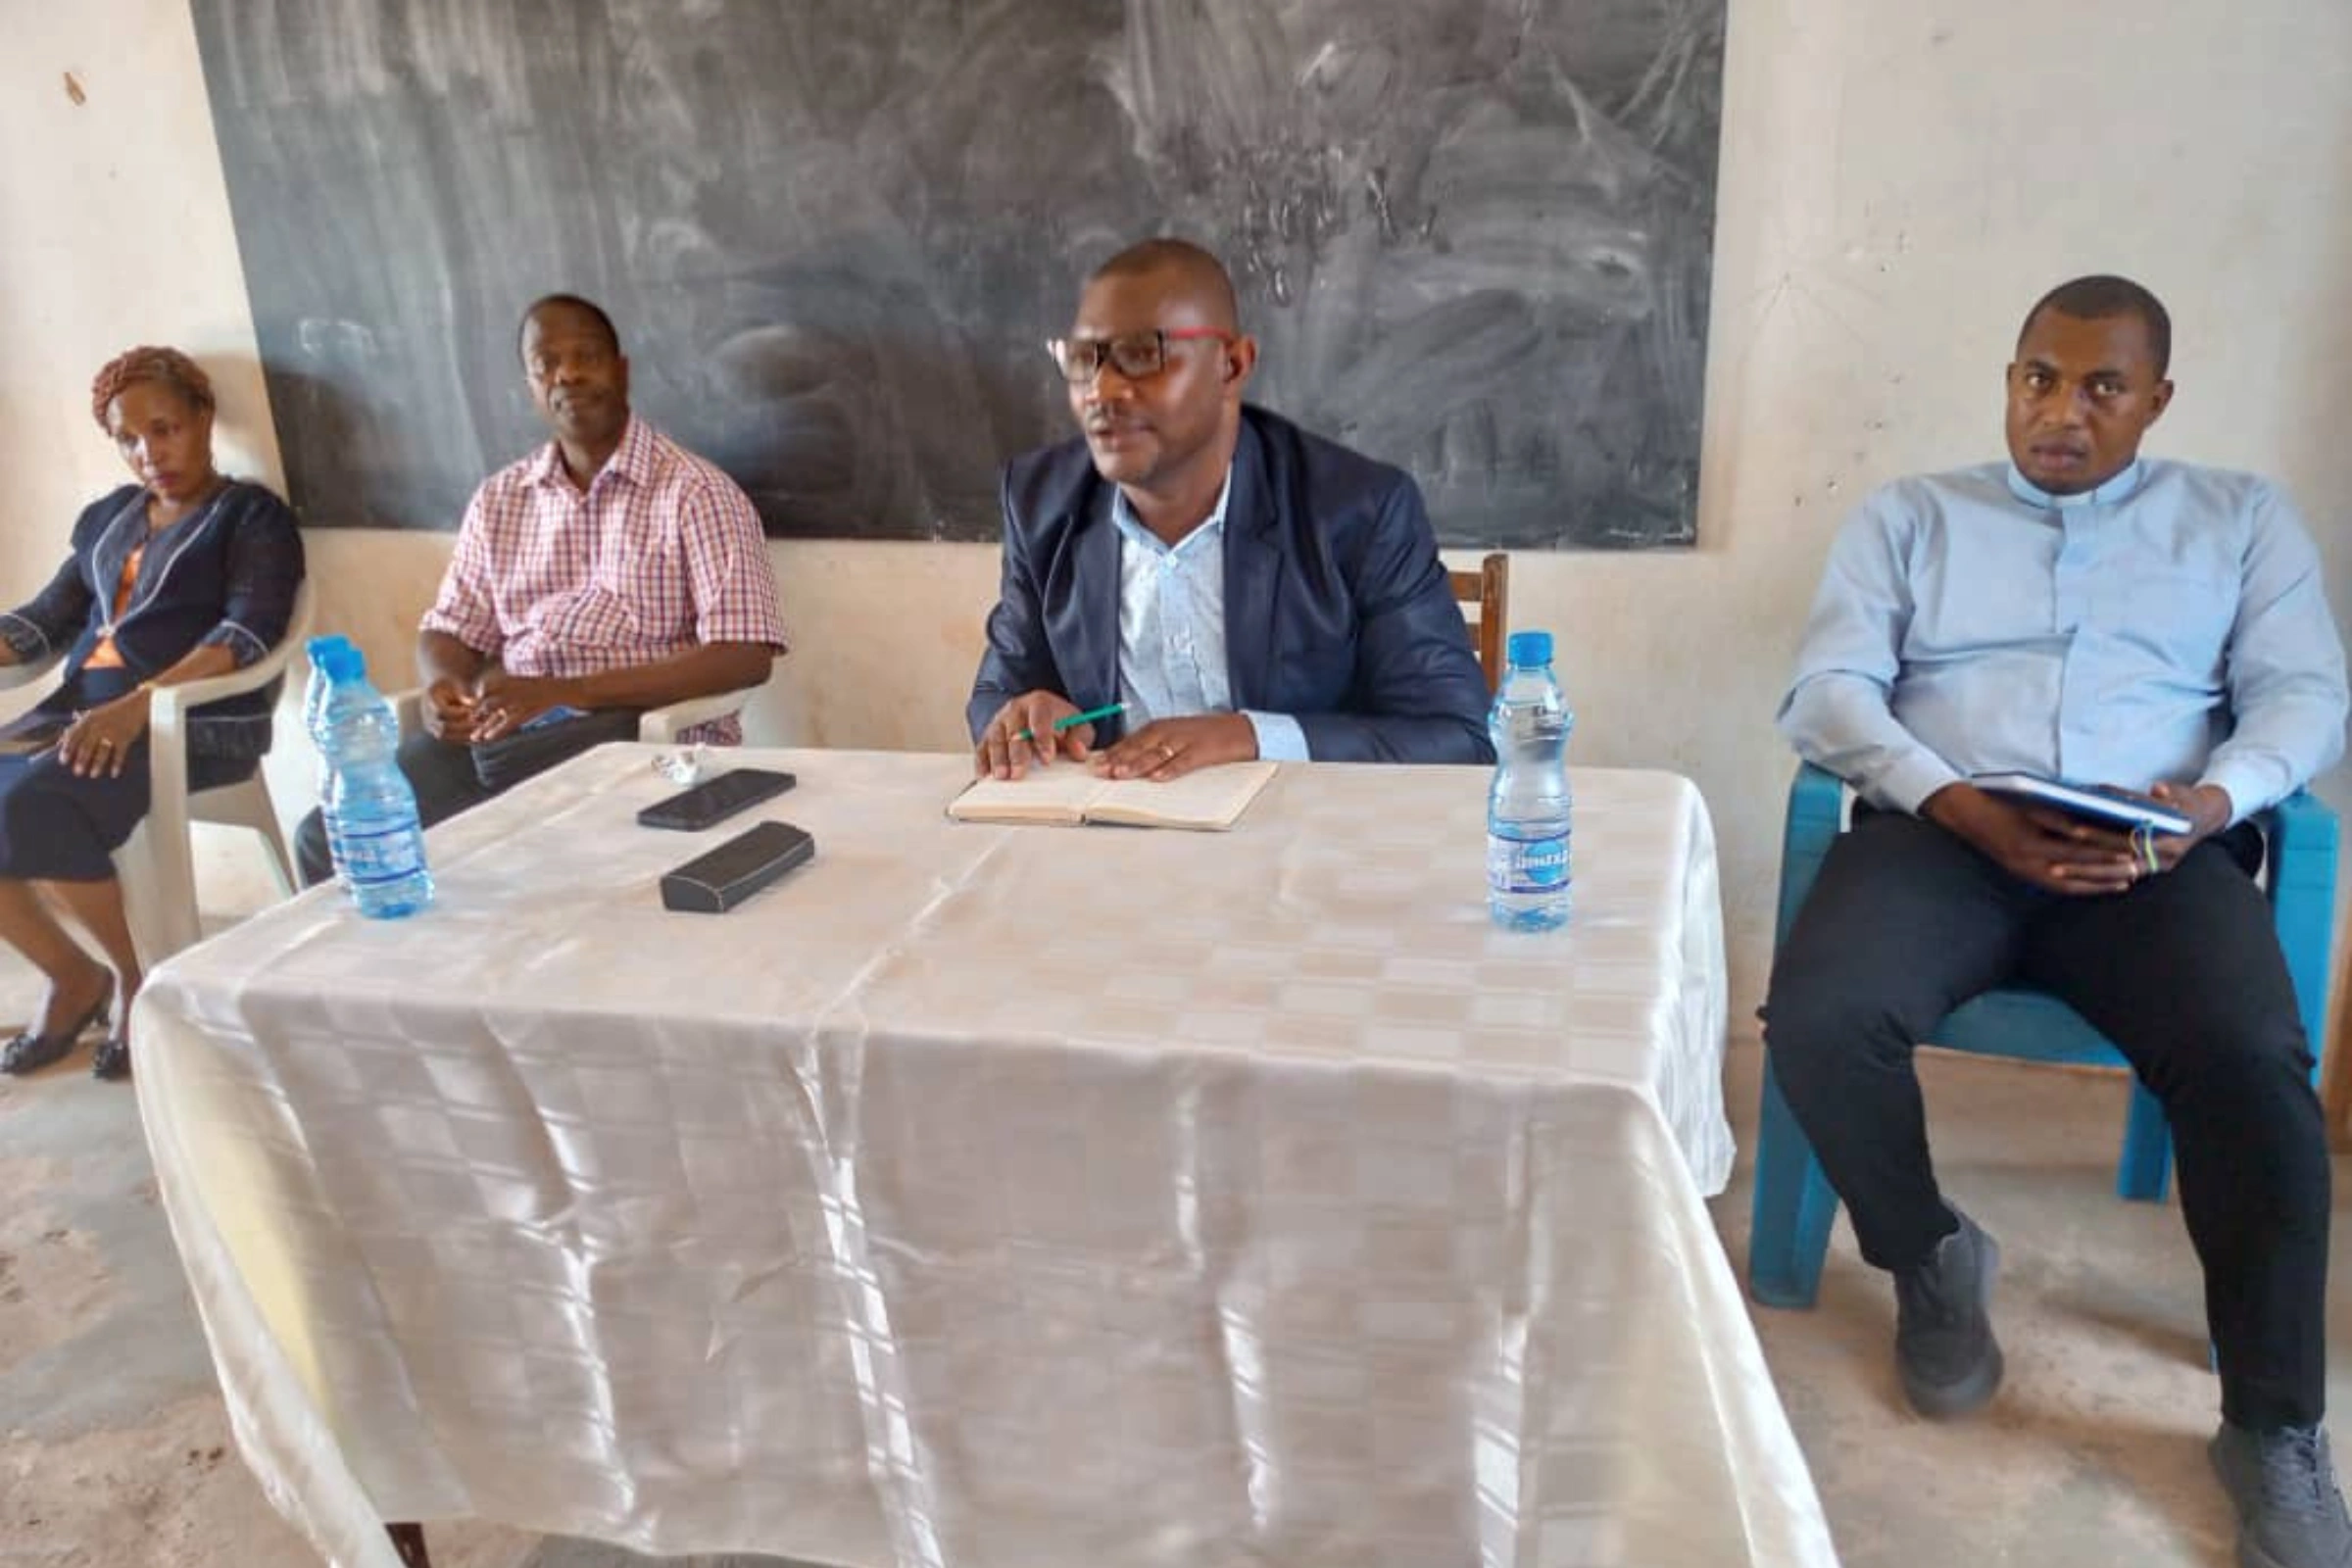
(1244, 588)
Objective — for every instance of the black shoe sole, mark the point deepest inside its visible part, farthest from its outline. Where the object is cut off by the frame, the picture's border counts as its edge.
(1947, 1401)
(2251, 1556)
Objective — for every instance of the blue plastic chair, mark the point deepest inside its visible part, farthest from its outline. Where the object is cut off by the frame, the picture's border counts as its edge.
(1794, 1203)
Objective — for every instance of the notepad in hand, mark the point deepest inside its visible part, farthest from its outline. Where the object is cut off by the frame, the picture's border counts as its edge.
(2116, 807)
(1211, 800)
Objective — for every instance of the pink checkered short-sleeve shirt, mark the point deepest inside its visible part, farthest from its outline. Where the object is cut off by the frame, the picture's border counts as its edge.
(660, 554)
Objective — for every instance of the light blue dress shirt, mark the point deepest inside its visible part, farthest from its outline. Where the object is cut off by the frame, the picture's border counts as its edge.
(2169, 626)
(1172, 629)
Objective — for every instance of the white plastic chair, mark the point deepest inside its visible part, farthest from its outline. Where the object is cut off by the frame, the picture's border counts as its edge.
(155, 865)
(659, 726)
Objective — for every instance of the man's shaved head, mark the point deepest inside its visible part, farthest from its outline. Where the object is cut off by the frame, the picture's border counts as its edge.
(1162, 417)
(1203, 278)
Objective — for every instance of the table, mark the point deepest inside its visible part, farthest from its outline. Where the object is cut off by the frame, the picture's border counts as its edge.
(986, 1194)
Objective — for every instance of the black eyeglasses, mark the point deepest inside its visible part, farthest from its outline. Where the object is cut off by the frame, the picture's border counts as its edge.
(1134, 355)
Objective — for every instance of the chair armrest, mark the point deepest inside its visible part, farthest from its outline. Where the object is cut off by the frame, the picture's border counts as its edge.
(168, 705)
(1816, 816)
(663, 725)
(2302, 830)
(167, 708)
(25, 672)
(2303, 835)
(171, 703)
(408, 707)
(169, 864)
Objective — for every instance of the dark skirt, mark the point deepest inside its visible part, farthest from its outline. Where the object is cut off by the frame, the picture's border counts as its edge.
(57, 828)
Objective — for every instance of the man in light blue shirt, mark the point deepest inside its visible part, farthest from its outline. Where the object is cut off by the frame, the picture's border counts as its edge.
(1172, 628)
(2084, 614)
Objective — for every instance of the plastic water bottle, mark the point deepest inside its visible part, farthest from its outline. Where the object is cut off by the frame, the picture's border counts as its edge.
(313, 710)
(314, 696)
(370, 809)
(1528, 887)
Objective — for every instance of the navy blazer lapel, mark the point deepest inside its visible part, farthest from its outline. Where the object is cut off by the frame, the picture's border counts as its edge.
(122, 534)
(1253, 542)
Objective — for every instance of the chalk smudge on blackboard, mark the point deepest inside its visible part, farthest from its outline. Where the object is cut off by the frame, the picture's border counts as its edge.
(1473, 235)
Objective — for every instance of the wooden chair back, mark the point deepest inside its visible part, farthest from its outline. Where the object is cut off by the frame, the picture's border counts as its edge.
(1485, 600)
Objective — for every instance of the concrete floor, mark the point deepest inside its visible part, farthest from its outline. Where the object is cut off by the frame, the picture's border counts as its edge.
(115, 1450)
(2094, 1450)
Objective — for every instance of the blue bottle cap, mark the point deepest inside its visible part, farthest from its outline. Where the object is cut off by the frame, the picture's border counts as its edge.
(338, 659)
(319, 644)
(1530, 649)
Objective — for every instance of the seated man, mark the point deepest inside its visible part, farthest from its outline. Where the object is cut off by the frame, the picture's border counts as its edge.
(608, 572)
(2078, 613)
(1244, 588)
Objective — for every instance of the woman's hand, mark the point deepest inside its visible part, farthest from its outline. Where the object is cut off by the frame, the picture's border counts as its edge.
(100, 740)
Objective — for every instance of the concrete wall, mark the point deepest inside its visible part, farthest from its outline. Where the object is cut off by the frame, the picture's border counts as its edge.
(1898, 182)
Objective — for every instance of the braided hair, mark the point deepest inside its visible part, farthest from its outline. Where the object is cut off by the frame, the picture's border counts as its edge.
(146, 362)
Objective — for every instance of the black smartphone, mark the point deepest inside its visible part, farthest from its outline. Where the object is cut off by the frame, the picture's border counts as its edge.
(714, 800)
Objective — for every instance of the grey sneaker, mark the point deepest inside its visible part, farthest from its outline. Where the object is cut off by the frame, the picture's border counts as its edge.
(1943, 1344)
(2290, 1513)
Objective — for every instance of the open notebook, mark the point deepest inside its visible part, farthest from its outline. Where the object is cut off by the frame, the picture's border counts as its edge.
(1211, 800)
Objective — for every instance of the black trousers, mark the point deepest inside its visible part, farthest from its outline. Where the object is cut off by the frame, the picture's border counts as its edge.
(2182, 973)
(449, 779)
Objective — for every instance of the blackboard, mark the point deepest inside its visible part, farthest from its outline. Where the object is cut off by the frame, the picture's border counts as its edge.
(1473, 236)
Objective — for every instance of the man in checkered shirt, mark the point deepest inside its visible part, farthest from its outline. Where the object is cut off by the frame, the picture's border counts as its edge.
(608, 572)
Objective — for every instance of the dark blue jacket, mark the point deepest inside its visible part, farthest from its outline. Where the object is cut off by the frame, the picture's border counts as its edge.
(1337, 608)
(225, 574)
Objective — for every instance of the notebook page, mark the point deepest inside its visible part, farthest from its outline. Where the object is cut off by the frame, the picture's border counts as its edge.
(1061, 793)
(1214, 798)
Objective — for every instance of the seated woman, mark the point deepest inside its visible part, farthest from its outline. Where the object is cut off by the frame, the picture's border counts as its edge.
(183, 576)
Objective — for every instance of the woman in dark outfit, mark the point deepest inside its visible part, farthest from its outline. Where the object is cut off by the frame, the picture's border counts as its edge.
(183, 576)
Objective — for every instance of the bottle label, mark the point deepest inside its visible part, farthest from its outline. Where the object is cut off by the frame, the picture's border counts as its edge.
(1535, 724)
(1527, 866)
(387, 856)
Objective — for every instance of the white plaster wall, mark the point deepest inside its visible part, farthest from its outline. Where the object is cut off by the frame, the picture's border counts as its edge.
(1898, 183)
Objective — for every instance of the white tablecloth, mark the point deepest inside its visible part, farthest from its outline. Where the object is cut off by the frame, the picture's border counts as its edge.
(988, 1195)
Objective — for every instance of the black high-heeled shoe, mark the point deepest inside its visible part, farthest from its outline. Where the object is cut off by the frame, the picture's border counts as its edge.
(30, 1052)
(113, 1058)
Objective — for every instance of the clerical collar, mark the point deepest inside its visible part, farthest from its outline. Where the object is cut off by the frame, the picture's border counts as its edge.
(2118, 488)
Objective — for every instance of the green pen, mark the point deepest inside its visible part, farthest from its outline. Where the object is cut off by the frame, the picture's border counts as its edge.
(1073, 720)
